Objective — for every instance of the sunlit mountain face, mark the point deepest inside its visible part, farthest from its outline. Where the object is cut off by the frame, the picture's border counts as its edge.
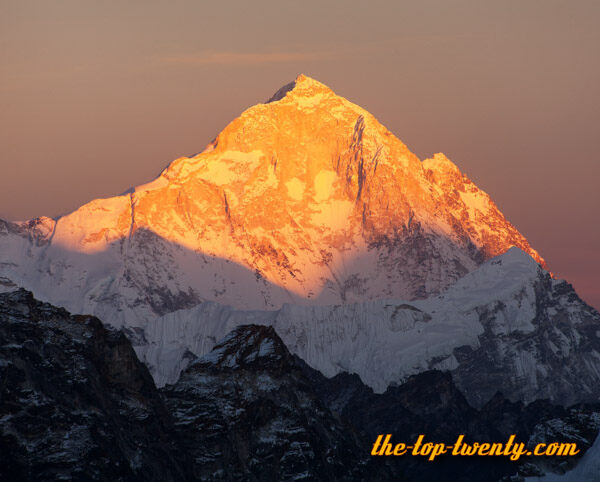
(304, 199)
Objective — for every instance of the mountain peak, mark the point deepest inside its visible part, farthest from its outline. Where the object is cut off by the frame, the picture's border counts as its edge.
(302, 86)
(304, 78)
(304, 82)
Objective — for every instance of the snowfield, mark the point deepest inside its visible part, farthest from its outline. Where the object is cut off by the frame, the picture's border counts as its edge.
(485, 316)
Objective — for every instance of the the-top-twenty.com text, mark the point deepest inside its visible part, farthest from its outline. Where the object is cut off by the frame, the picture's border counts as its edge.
(514, 450)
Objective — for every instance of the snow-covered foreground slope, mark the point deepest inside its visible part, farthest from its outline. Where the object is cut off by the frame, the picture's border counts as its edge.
(306, 199)
(506, 326)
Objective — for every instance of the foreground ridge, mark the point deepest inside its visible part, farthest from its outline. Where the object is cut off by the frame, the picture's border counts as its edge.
(80, 405)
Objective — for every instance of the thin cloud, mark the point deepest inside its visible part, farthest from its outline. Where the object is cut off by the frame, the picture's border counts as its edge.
(244, 58)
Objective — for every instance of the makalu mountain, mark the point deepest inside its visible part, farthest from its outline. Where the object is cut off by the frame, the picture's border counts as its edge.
(306, 199)
(306, 214)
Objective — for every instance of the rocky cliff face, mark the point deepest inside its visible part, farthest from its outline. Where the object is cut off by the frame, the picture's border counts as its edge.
(75, 402)
(305, 199)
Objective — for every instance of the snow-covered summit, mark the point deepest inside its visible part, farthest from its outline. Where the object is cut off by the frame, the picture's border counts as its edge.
(305, 200)
(301, 86)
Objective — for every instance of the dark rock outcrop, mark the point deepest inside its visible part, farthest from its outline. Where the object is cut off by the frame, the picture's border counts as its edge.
(247, 411)
(75, 402)
(250, 410)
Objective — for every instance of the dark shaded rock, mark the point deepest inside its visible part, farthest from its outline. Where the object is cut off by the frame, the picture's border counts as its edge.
(558, 360)
(247, 411)
(75, 402)
(250, 410)
(431, 404)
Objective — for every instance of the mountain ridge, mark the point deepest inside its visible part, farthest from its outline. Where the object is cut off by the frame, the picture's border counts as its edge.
(508, 325)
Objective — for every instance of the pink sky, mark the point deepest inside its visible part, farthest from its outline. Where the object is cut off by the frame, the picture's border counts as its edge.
(99, 96)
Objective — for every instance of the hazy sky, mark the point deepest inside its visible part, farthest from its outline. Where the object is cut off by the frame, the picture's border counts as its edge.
(98, 96)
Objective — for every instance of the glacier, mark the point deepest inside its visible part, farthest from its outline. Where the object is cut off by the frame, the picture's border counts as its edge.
(500, 314)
